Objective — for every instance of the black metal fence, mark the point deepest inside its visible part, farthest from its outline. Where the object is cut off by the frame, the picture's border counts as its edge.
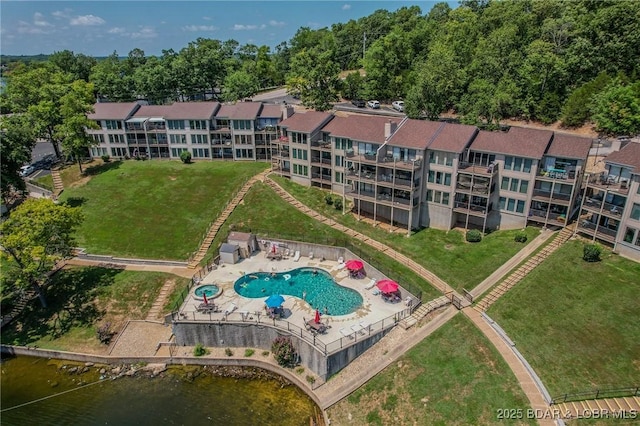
(596, 394)
(410, 281)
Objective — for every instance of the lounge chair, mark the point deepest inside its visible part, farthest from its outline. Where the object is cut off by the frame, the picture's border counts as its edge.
(357, 329)
(296, 256)
(365, 326)
(375, 291)
(371, 284)
(232, 307)
(341, 259)
(345, 333)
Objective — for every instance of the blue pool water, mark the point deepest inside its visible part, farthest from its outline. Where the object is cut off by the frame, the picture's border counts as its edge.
(318, 285)
(208, 290)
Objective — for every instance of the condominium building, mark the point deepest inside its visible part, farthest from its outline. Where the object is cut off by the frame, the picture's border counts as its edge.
(610, 207)
(208, 130)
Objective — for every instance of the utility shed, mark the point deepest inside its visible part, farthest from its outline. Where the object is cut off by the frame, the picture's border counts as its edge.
(229, 253)
(248, 243)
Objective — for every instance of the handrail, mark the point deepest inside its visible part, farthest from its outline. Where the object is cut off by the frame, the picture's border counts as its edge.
(596, 394)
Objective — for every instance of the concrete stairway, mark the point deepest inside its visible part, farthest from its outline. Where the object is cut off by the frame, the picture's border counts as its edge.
(158, 304)
(424, 310)
(215, 226)
(58, 187)
(627, 407)
(25, 298)
(515, 277)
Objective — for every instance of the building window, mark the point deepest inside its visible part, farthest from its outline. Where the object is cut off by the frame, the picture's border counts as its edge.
(342, 143)
(339, 160)
(178, 139)
(201, 152)
(511, 205)
(98, 138)
(299, 154)
(438, 197)
(199, 139)
(505, 183)
(116, 138)
(635, 211)
(339, 177)
(198, 124)
(244, 153)
(300, 170)
(175, 152)
(517, 164)
(243, 139)
(242, 124)
(175, 124)
(113, 124)
(629, 235)
(514, 185)
(524, 186)
(118, 152)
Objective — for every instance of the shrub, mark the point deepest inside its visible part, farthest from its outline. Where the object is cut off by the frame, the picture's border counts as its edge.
(283, 351)
(591, 252)
(200, 350)
(328, 199)
(228, 352)
(311, 379)
(474, 236)
(185, 157)
(300, 370)
(338, 204)
(249, 352)
(104, 333)
(521, 237)
(105, 158)
(265, 353)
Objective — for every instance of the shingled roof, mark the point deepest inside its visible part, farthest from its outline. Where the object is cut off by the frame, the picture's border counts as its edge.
(360, 127)
(569, 146)
(271, 111)
(240, 111)
(453, 138)
(416, 134)
(628, 156)
(113, 110)
(519, 142)
(306, 122)
(191, 110)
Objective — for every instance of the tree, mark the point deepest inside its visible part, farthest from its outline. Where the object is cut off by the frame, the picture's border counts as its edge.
(74, 107)
(112, 81)
(352, 86)
(16, 143)
(37, 234)
(78, 65)
(314, 76)
(577, 109)
(616, 110)
(239, 85)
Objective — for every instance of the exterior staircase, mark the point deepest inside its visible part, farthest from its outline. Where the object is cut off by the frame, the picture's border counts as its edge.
(58, 186)
(25, 298)
(215, 226)
(424, 310)
(626, 407)
(515, 277)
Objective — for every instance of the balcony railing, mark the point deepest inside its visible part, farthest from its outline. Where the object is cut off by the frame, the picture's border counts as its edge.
(551, 195)
(478, 188)
(478, 169)
(321, 176)
(321, 160)
(602, 232)
(556, 174)
(321, 144)
(609, 182)
(608, 209)
(475, 208)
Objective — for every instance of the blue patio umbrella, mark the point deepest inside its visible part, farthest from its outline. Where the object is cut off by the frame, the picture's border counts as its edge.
(274, 301)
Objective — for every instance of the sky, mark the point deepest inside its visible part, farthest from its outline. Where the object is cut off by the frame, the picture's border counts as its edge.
(98, 28)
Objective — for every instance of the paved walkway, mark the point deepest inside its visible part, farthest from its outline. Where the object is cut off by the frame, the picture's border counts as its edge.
(132, 266)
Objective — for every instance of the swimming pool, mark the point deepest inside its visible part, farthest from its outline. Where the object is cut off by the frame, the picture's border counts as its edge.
(319, 288)
(209, 290)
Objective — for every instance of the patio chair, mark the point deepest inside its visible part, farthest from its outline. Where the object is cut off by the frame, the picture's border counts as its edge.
(345, 333)
(365, 326)
(375, 291)
(357, 329)
(371, 284)
(296, 256)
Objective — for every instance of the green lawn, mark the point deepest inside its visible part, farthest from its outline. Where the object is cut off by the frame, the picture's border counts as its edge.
(45, 182)
(455, 376)
(154, 209)
(577, 322)
(265, 213)
(447, 254)
(80, 300)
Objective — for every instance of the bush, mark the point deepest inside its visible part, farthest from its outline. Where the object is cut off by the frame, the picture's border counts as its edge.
(521, 237)
(328, 199)
(185, 157)
(283, 351)
(265, 353)
(105, 158)
(228, 352)
(474, 236)
(200, 350)
(591, 253)
(311, 379)
(249, 352)
(104, 333)
(300, 370)
(338, 204)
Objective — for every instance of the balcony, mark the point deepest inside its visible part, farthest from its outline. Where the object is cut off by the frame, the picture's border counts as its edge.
(610, 210)
(608, 182)
(466, 187)
(383, 198)
(556, 174)
(548, 195)
(282, 140)
(318, 161)
(322, 177)
(477, 169)
(601, 232)
(321, 144)
(472, 209)
(538, 215)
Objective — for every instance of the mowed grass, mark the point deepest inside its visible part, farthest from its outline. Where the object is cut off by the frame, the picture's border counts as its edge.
(154, 209)
(453, 377)
(265, 213)
(79, 300)
(577, 322)
(445, 253)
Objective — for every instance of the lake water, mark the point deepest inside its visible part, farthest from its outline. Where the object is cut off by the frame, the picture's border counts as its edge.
(187, 395)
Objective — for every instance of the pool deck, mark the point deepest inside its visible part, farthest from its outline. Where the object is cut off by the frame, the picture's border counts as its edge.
(372, 311)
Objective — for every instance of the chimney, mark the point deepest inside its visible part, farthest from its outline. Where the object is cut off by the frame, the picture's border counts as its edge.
(287, 111)
(389, 129)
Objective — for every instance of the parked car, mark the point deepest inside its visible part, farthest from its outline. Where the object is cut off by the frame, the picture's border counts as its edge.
(27, 170)
(358, 102)
(374, 104)
(398, 105)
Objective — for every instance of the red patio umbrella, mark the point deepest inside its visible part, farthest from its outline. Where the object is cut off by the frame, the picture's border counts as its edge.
(317, 318)
(354, 265)
(387, 286)
(206, 302)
